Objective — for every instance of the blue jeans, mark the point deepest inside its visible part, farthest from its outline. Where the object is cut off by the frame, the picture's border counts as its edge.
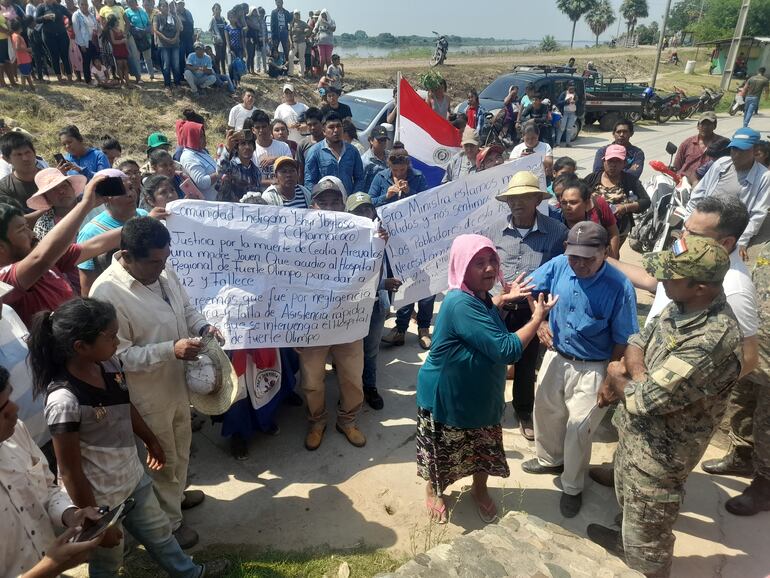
(372, 346)
(749, 109)
(566, 124)
(224, 80)
(150, 526)
(424, 314)
(169, 57)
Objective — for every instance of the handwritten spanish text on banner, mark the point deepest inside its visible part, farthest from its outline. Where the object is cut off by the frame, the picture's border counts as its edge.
(275, 277)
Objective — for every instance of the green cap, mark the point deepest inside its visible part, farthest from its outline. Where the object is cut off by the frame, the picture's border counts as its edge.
(155, 140)
(700, 259)
(356, 200)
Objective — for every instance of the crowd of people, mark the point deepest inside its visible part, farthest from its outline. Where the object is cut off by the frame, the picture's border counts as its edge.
(94, 317)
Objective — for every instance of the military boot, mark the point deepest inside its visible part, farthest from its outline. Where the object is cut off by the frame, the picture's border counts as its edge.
(737, 462)
(754, 499)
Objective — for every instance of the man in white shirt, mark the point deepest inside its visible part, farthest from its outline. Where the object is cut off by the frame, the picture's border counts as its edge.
(267, 150)
(741, 175)
(290, 112)
(240, 112)
(531, 144)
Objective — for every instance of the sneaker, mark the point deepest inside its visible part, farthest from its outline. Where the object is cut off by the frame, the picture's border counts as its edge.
(395, 337)
(192, 498)
(216, 568)
(186, 537)
(534, 467)
(423, 336)
(570, 505)
(373, 398)
(314, 438)
(354, 435)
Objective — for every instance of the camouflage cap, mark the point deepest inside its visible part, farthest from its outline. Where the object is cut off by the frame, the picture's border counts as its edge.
(700, 259)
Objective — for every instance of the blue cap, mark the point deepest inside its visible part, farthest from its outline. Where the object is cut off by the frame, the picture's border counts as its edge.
(745, 138)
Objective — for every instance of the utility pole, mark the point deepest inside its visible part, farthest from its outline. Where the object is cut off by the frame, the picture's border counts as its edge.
(735, 45)
(660, 44)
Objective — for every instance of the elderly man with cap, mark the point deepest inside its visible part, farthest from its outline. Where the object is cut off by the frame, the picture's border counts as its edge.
(691, 154)
(741, 175)
(158, 329)
(290, 111)
(199, 69)
(590, 326)
(464, 162)
(673, 385)
(330, 195)
(489, 157)
(529, 240)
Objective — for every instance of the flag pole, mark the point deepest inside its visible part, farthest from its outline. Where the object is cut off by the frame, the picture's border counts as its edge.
(397, 136)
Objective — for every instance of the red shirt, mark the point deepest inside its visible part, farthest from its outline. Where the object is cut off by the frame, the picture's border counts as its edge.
(690, 156)
(471, 113)
(50, 291)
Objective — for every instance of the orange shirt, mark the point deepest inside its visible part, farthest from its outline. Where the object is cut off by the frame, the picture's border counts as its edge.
(22, 56)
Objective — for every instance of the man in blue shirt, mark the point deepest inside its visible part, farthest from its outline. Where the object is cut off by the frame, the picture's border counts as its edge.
(332, 157)
(199, 69)
(589, 326)
(280, 18)
(376, 158)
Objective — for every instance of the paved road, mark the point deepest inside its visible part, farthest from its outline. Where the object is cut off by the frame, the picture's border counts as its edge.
(340, 496)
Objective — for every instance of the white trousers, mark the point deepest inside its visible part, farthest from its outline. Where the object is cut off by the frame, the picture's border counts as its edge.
(566, 415)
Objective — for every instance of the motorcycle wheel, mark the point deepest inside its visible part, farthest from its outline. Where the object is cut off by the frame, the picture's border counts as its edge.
(664, 114)
(685, 114)
(733, 110)
(634, 116)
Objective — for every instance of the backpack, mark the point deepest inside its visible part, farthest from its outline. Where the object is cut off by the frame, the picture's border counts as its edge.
(645, 232)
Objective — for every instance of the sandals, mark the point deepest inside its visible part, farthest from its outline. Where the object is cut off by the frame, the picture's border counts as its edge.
(438, 513)
(487, 511)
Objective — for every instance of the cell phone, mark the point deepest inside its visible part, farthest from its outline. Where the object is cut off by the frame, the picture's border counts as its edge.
(111, 187)
(190, 190)
(106, 522)
(59, 158)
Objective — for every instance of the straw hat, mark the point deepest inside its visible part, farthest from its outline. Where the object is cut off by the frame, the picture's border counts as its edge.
(523, 183)
(211, 379)
(47, 180)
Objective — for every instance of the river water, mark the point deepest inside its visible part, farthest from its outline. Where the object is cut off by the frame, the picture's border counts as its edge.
(383, 52)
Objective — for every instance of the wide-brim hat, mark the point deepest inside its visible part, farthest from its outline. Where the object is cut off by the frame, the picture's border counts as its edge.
(523, 183)
(212, 371)
(47, 180)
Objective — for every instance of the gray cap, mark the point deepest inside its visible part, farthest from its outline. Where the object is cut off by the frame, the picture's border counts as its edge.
(585, 239)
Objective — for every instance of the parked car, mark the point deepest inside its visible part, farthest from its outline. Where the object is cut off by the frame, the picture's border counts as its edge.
(548, 81)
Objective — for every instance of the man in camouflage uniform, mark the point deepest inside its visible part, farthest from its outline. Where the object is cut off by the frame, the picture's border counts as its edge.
(750, 419)
(674, 383)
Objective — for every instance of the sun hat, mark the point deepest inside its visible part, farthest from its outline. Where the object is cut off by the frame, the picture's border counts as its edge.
(470, 137)
(523, 183)
(48, 179)
(156, 140)
(586, 239)
(280, 161)
(745, 138)
(356, 200)
(615, 151)
(211, 379)
(700, 259)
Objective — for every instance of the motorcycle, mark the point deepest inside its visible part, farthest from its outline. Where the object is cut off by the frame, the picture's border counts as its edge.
(442, 48)
(709, 100)
(669, 194)
(655, 107)
(738, 104)
(685, 106)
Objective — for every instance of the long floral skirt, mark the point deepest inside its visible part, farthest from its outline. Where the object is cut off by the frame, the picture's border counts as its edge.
(446, 454)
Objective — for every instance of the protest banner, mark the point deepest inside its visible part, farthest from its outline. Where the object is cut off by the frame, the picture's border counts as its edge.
(276, 277)
(422, 227)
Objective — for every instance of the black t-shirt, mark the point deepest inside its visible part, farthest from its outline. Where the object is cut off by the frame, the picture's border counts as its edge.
(342, 109)
(55, 26)
(18, 190)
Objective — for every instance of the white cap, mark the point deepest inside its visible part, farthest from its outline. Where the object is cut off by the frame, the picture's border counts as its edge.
(287, 86)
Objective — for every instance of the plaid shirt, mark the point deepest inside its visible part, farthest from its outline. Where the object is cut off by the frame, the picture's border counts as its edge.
(240, 179)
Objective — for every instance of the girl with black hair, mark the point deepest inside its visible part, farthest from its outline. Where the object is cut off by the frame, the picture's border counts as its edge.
(93, 422)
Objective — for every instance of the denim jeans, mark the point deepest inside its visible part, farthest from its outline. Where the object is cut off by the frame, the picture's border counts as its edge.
(424, 314)
(749, 109)
(169, 56)
(151, 528)
(566, 124)
(372, 346)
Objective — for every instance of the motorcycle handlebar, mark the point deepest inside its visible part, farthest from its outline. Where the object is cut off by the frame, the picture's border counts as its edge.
(662, 168)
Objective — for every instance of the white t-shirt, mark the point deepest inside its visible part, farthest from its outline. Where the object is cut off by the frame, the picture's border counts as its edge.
(238, 115)
(276, 149)
(290, 113)
(542, 147)
(740, 293)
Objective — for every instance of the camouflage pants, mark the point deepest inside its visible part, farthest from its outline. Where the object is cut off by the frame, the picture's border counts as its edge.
(649, 513)
(750, 422)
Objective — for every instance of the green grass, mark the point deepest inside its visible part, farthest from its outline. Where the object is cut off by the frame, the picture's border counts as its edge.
(251, 562)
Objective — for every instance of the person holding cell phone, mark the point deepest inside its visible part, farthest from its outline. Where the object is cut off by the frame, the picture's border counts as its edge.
(79, 158)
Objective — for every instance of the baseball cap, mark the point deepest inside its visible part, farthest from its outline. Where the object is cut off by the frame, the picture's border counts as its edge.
(585, 239)
(155, 140)
(198, 46)
(484, 152)
(356, 200)
(379, 132)
(324, 185)
(745, 138)
(700, 259)
(470, 137)
(615, 151)
(280, 161)
(709, 115)
(288, 86)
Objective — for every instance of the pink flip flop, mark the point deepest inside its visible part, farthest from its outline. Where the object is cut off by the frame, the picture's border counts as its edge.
(430, 503)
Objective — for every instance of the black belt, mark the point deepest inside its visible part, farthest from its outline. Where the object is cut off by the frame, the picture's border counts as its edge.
(573, 358)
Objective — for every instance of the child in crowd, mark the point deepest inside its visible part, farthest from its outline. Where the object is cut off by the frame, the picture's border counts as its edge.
(23, 54)
(335, 72)
(162, 163)
(157, 191)
(119, 48)
(111, 148)
(100, 75)
(93, 423)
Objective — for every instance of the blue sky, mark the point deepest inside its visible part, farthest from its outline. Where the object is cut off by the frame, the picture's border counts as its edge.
(531, 19)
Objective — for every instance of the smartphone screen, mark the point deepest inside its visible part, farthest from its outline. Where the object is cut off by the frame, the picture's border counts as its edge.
(59, 158)
(111, 187)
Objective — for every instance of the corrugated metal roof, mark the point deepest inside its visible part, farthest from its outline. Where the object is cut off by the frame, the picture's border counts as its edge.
(760, 39)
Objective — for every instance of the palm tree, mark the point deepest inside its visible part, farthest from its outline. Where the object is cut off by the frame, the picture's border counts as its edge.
(600, 18)
(574, 9)
(632, 11)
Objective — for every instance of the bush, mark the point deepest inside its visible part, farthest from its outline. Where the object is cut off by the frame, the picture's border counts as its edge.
(431, 80)
(548, 44)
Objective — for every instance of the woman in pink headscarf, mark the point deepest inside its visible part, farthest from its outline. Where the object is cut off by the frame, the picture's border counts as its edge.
(460, 387)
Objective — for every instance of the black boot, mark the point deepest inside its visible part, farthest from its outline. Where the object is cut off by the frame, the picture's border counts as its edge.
(607, 538)
(737, 462)
(373, 398)
(754, 499)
